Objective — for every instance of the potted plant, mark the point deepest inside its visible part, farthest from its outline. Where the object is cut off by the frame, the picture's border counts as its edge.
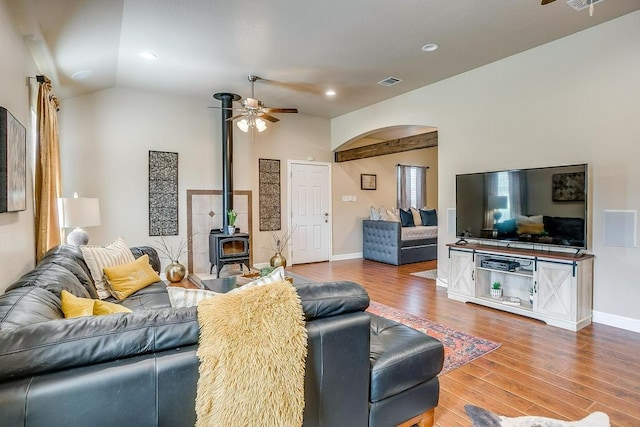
(232, 215)
(496, 290)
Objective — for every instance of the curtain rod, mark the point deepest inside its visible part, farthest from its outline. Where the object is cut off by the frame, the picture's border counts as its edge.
(41, 78)
(412, 166)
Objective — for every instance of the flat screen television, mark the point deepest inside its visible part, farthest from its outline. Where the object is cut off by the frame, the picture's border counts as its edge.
(539, 206)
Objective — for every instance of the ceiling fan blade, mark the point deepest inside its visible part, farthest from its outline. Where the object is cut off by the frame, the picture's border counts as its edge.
(281, 110)
(546, 2)
(269, 117)
(313, 89)
(225, 108)
(237, 116)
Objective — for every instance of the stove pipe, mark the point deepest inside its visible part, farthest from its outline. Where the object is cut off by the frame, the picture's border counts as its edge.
(227, 153)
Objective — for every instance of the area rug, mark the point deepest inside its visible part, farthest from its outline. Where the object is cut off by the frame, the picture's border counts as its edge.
(459, 348)
(427, 274)
(483, 418)
(252, 351)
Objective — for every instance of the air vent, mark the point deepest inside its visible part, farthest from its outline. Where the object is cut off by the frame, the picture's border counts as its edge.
(582, 4)
(390, 81)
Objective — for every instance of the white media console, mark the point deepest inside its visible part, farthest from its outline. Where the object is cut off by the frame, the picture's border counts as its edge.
(554, 287)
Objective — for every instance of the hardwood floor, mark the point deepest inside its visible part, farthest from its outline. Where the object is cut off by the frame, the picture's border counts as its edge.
(538, 370)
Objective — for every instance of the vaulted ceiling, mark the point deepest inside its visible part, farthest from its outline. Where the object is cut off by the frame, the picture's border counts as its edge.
(302, 48)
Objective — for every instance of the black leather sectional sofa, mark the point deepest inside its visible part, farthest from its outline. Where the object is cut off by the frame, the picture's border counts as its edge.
(141, 369)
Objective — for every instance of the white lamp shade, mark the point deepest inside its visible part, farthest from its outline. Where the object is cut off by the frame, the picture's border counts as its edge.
(80, 212)
(498, 202)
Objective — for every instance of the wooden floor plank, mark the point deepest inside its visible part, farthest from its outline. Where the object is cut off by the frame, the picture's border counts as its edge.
(538, 370)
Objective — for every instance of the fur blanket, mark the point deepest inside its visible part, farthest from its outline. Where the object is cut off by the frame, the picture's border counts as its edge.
(483, 418)
(252, 351)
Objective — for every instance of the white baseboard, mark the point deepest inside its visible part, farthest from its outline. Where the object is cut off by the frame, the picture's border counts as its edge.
(343, 257)
(442, 282)
(621, 322)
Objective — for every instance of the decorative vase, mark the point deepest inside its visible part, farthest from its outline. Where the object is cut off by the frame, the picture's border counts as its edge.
(496, 293)
(231, 229)
(278, 260)
(175, 272)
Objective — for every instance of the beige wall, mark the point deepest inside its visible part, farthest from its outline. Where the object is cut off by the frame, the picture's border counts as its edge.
(348, 215)
(17, 242)
(106, 137)
(571, 101)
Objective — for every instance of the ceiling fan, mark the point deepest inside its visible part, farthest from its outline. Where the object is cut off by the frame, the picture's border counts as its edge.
(254, 113)
(577, 4)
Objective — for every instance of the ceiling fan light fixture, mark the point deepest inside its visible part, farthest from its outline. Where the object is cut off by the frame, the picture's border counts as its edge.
(261, 125)
(243, 125)
(252, 122)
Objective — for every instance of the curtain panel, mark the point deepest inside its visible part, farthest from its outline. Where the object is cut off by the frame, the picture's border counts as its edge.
(412, 186)
(47, 181)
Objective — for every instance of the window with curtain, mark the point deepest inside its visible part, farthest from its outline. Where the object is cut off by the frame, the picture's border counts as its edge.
(504, 196)
(412, 186)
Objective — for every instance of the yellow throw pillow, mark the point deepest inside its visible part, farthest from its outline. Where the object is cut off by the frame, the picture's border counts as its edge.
(73, 306)
(101, 308)
(530, 228)
(125, 279)
(99, 257)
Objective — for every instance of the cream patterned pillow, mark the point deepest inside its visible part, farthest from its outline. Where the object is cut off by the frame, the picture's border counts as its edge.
(393, 215)
(99, 257)
(417, 219)
(182, 297)
(276, 276)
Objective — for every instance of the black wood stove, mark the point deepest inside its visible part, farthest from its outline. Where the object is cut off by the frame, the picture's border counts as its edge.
(228, 249)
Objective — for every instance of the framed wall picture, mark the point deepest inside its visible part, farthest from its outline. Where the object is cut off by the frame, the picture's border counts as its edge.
(13, 163)
(568, 187)
(367, 181)
(163, 193)
(269, 194)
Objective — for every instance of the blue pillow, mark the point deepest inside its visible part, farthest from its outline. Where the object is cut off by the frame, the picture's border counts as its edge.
(406, 218)
(429, 217)
(507, 227)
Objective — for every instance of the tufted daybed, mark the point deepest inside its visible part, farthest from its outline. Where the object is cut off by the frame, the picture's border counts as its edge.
(389, 242)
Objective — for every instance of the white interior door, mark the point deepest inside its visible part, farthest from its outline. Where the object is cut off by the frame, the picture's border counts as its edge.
(310, 195)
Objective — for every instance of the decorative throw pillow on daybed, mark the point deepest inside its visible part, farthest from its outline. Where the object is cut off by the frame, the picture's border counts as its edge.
(429, 217)
(417, 219)
(99, 257)
(406, 218)
(381, 214)
(125, 279)
(393, 215)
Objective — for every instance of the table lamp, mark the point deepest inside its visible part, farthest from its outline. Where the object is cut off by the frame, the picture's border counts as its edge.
(77, 212)
(496, 203)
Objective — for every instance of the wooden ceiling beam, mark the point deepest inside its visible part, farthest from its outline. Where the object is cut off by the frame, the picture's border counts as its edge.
(415, 142)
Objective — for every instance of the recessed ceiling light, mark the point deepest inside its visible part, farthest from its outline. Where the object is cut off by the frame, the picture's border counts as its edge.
(148, 55)
(430, 47)
(330, 92)
(81, 75)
